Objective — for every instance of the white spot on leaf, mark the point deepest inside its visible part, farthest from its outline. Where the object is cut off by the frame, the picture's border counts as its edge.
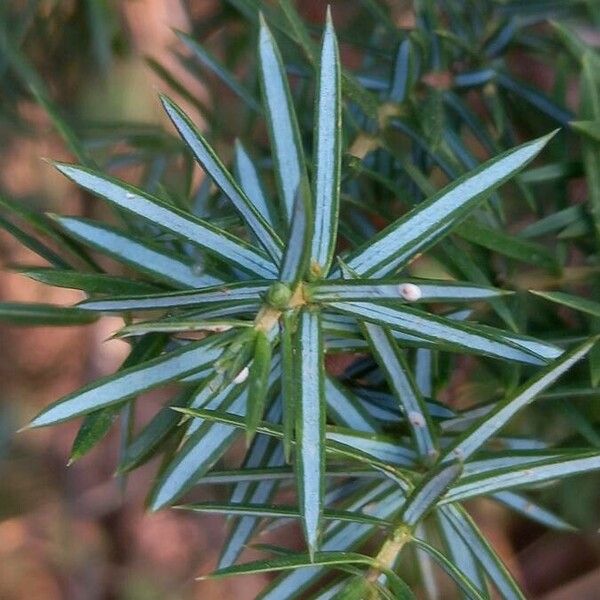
(416, 419)
(218, 328)
(410, 292)
(241, 376)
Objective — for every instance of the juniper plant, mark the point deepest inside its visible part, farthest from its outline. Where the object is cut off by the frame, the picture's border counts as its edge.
(246, 321)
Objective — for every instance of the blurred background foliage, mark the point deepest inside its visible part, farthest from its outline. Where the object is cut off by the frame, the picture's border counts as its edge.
(437, 87)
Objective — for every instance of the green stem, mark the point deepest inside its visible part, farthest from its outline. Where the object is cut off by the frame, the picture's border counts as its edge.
(388, 555)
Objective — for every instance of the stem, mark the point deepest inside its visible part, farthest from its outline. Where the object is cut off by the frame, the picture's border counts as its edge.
(298, 297)
(268, 316)
(388, 555)
(266, 319)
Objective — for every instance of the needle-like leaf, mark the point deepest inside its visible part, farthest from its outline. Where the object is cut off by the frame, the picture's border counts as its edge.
(531, 510)
(434, 218)
(287, 329)
(339, 559)
(345, 537)
(132, 381)
(139, 254)
(206, 441)
(91, 283)
(372, 449)
(198, 232)
(506, 244)
(223, 295)
(537, 99)
(35, 245)
(258, 383)
(310, 425)
(461, 553)
(515, 477)
(198, 453)
(485, 555)
(208, 60)
(288, 154)
(347, 408)
(97, 424)
(327, 154)
(297, 254)
(461, 580)
(174, 325)
(248, 474)
(590, 109)
(278, 512)
(211, 163)
(263, 451)
(393, 364)
(250, 181)
(480, 433)
(152, 437)
(18, 214)
(94, 428)
(428, 492)
(584, 305)
(20, 313)
(462, 336)
(392, 290)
